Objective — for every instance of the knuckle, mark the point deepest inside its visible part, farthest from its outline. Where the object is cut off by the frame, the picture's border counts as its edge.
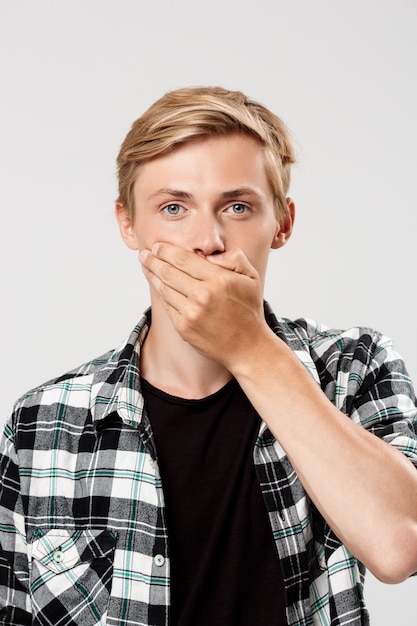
(222, 283)
(192, 315)
(202, 297)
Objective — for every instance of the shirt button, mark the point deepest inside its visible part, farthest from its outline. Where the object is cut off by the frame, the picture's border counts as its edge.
(159, 560)
(58, 556)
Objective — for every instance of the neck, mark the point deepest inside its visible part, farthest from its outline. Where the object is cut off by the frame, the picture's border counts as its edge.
(174, 366)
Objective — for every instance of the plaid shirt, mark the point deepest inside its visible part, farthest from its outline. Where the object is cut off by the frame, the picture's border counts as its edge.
(83, 527)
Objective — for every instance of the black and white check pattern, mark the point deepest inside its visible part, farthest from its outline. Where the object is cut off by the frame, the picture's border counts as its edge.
(82, 522)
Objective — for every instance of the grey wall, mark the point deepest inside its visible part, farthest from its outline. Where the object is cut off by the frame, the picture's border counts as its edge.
(74, 75)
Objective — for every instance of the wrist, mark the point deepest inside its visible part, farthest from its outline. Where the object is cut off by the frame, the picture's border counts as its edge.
(262, 350)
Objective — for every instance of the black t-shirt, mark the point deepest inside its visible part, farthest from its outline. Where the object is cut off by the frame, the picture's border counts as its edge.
(224, 564)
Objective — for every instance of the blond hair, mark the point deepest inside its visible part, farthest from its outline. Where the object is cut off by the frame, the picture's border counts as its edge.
(192, 113)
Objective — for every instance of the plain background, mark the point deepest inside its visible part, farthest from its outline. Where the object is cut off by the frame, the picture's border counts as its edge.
(74, 75)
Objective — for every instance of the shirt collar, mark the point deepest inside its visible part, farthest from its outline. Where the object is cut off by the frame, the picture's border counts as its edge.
(295, 337)
(116, 385)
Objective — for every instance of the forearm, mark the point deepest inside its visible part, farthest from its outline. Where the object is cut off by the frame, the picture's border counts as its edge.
(364, 488)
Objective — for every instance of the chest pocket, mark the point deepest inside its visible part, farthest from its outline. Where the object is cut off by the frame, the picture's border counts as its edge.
(70, 578)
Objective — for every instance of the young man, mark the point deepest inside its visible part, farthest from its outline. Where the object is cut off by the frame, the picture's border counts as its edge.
(223, 466)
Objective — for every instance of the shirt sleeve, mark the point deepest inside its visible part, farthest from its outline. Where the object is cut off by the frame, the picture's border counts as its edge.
(380, 394)
(14, 572)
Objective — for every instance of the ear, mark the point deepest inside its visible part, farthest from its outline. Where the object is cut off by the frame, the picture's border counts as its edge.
(126, 226)
(285, 226)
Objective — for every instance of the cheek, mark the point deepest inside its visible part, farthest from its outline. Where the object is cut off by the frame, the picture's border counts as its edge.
(258, 257)
(146, 233)
(181, 232)
(260, 241)
(258, 251)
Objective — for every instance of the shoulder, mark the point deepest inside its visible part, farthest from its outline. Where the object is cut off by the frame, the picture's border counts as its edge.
(355, 362)
(75, 379)
(324, 340)
(65, 398)
(86, 395)
(104, 370)
(359, 350)
(75, 393)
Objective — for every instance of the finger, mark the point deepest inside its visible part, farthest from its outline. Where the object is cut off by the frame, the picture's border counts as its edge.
(186, 260)
(234, 260)
(160, 272)
(171, 295)
(183, 310)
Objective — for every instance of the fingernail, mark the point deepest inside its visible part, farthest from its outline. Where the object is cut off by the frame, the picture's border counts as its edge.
(155, 249)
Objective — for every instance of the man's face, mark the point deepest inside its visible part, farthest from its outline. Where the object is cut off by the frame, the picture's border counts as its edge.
(207, 196)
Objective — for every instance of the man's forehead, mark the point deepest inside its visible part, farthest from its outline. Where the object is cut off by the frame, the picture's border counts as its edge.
(232, 166)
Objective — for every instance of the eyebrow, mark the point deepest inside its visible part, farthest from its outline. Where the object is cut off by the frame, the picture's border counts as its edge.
(178, 193)
(175, 193)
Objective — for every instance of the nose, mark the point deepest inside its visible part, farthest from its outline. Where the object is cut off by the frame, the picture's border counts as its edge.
(208, 236)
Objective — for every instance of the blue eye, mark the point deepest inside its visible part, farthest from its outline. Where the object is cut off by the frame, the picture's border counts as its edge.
(172, 209)
(238, 208)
